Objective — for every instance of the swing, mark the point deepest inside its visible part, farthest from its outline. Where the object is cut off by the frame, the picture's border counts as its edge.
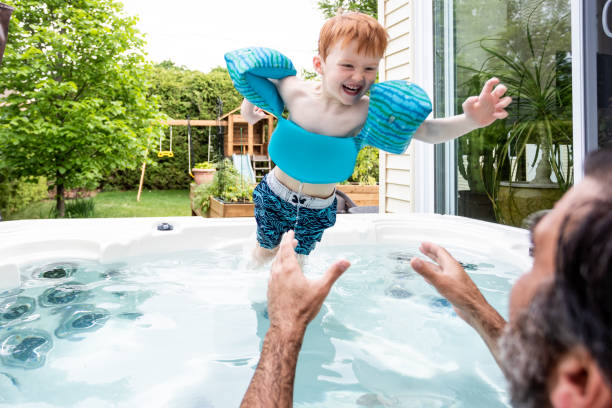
(165, 153)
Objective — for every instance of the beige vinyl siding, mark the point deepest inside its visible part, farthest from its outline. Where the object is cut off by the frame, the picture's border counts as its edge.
(396, 171)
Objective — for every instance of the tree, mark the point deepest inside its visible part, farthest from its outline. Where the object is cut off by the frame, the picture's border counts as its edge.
(330, 7)
(77, 106)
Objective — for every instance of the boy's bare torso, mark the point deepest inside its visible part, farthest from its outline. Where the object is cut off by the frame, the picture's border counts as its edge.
(310, 109)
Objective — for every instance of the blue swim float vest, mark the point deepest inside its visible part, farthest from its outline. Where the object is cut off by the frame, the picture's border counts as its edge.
(396, 110)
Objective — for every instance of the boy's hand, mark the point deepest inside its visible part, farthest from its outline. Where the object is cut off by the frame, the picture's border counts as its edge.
(489, 106)
(294, 300)
(251, 113)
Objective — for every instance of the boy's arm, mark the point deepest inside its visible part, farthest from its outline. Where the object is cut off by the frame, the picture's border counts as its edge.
(287, 88)
(479, 111)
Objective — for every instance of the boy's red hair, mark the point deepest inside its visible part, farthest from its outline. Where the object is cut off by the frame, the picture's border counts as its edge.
(371, 37)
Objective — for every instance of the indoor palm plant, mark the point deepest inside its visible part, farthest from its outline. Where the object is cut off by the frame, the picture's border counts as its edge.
(533, 62)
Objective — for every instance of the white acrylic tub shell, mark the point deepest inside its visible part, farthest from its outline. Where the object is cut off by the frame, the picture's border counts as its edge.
(113, 239)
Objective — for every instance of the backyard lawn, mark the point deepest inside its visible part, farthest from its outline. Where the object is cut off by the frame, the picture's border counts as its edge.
(117, 204)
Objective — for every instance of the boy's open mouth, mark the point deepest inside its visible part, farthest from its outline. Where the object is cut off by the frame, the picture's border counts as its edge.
(352, 89)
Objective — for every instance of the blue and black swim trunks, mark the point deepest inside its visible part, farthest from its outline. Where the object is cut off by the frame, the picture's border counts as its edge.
(279, 209)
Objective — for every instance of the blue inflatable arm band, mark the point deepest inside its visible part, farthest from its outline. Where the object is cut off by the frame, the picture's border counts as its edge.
(397, 109)
(250, 69)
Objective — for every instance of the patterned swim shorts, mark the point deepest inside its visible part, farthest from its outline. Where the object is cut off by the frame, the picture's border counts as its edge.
(279, 209)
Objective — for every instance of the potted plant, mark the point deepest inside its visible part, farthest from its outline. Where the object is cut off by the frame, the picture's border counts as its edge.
(539, 80)
(203, 172)
(228, 195)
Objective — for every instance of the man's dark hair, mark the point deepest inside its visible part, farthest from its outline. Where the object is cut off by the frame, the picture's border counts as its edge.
(573, 310)
(598, 165)
(584, 278)
(532, 346)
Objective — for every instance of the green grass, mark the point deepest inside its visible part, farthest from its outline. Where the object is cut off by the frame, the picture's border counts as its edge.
(118, 204)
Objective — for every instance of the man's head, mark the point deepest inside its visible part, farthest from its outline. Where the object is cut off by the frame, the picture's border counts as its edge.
(556, 350)
(350, 48)
(545, 232)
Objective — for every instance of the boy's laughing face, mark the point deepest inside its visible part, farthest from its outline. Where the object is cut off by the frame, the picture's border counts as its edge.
(346, 74)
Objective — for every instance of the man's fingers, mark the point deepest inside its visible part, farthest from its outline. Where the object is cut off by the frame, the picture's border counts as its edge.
(430, 249)
(488, 87)
(287, 247)
(427, 270)
(333, 273)
(440, 255)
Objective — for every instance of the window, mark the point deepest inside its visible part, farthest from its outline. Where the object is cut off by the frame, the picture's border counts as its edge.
(524, 163)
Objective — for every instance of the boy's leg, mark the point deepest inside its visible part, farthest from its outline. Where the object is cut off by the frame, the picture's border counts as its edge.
(274, 218)
(262, 255)
(311, 224)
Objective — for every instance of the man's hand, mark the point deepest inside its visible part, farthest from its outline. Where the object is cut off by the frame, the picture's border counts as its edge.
(294, 300)
(449, 278)
(251, 113)
(489, 106)
(451, 281)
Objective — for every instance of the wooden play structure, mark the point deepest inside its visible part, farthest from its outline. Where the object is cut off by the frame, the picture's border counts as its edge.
(240, 139)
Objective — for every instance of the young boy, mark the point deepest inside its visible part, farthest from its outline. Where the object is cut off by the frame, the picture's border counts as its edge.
(311, 149)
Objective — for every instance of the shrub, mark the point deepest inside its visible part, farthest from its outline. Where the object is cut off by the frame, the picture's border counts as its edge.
(205, 165)
(228, 185)
(16, 195)
(366, 168)
(77, 208)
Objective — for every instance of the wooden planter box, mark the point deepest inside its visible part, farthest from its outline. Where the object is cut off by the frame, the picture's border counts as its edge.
(361, 195)
(220, 209)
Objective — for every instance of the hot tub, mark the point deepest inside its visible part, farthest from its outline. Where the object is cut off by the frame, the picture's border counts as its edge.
(165, 312)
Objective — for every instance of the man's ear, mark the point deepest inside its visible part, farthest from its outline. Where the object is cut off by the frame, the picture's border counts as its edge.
(317, 63)
(577, 382)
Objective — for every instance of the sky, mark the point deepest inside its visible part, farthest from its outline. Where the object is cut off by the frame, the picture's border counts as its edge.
(196, 33)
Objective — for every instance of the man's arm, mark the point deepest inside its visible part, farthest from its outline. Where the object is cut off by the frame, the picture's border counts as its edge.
(479, 111)
(451, 281)
(293, 301)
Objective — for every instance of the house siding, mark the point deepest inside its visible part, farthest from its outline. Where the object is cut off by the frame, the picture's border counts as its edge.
(396, 171)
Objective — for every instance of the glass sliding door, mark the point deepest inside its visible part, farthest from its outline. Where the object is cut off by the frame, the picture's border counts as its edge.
(522, 164)
(604, 68)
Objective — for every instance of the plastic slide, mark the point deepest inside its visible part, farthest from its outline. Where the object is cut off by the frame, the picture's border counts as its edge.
(242, 163)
